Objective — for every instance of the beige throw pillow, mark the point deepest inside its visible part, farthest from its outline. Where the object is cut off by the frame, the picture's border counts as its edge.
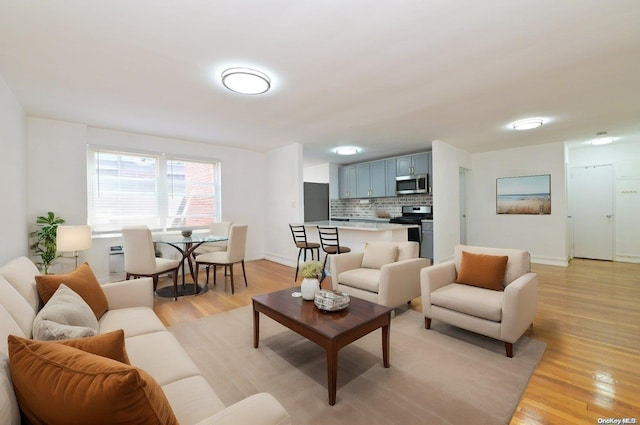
(65, 316)
(377, 255)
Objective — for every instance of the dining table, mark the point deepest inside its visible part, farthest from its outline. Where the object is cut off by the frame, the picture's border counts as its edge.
(185, 244)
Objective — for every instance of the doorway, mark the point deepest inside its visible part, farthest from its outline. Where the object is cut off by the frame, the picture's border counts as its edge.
(591, 190)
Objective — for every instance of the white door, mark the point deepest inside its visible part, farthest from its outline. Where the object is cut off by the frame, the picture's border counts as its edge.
(592, 211)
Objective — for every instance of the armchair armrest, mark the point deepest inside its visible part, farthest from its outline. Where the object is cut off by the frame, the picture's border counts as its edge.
(343, 262)
(258, 409)
(519, 306)
(129, 293)
(432, 278)
(400, 281)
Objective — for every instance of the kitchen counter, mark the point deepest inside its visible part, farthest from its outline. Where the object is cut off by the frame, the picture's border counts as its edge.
(361, 219)
(373, 226)
(355, 234)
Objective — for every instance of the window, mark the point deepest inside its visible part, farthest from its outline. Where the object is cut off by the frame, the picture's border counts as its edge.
(164, 193)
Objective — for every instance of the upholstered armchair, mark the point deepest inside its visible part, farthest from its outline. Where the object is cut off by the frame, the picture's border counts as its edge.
(386, 273)
(490, 291)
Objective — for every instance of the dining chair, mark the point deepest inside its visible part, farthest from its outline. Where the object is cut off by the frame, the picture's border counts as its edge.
(140, 259)
(330, 242)
(300, 240)
(220, 228)
(235, 252)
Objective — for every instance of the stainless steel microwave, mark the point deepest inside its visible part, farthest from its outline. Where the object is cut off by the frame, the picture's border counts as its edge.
(407, 185)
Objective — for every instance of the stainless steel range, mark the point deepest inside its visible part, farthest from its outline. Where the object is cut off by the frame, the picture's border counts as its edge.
(421, 215)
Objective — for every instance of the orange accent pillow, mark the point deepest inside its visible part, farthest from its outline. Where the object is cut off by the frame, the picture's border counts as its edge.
(110, 345)
(482, 270)
(57, 384)
(82, 281)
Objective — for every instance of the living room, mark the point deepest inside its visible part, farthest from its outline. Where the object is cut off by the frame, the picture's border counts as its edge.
(43, 154)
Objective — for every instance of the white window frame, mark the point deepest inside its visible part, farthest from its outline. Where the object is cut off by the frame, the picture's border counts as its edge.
(162, 186)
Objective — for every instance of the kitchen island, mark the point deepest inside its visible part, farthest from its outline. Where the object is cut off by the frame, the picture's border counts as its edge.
(355, 234)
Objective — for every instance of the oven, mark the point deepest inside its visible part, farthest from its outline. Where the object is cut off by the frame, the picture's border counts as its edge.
(416, 215)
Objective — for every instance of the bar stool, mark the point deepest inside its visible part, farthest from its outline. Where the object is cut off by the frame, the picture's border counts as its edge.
(330, 245)
(300, 239)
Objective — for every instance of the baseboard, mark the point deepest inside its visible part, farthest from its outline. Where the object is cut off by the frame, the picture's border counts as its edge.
(285, 261)
(561, 262)
(627, 258)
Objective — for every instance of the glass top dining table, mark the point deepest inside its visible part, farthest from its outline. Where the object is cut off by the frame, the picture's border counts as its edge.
(186, 245)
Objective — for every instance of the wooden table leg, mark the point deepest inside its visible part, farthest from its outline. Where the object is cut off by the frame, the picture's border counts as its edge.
(385, 344)
(256, 328)
(332, 373)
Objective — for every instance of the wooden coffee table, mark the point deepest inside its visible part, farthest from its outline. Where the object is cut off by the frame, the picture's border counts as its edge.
(332, 331)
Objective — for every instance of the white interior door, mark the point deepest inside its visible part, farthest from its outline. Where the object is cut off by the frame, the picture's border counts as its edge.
(592, 211)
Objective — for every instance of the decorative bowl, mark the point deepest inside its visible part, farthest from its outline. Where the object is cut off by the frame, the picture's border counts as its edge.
(187, 233)
(327, 300)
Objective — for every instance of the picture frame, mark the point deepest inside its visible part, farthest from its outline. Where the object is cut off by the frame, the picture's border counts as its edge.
(529, 195)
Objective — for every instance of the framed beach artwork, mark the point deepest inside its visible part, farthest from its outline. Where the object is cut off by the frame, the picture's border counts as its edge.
(523, 195)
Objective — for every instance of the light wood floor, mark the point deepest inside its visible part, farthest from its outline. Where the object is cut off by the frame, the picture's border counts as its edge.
(588, 315)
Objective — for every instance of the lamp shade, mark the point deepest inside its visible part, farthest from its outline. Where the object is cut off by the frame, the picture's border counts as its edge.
(73, 238)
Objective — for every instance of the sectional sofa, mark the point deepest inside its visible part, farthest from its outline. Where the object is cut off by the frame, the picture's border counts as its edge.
(149, 345)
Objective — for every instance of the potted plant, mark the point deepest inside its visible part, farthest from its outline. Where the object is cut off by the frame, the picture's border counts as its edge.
(44, 245)
(310, 284)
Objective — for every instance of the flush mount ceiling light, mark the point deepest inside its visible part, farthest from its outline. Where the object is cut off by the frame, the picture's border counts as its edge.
(347, 150)
(527, 124)
(602, 139)
(245, 81)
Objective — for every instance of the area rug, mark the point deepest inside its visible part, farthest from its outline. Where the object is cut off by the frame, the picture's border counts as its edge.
(440, 376)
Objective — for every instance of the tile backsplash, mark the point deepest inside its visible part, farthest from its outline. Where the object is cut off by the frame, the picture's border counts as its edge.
(391, 205)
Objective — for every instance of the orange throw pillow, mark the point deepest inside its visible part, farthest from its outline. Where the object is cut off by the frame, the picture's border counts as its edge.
(82, 281)
(482, 270)
(57, 384)
(110, 345)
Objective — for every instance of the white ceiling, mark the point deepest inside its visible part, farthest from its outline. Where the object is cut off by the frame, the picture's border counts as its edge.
(388, 76)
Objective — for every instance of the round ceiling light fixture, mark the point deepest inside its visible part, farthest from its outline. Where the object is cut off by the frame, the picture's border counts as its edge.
(602, 139)
(246, 81)
(527, 124)
(347, 150)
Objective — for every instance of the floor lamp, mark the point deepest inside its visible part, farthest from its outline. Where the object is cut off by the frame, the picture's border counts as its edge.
(73, 239)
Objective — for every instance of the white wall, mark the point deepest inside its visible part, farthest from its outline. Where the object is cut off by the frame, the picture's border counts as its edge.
(57, 157)
(447, 161)
(284, 192)
(544, 236)
(14, 225)
(316, 174)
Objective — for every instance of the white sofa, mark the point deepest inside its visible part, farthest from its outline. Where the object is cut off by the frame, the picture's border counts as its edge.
(386, 273)
(148, 343)
(503, 315)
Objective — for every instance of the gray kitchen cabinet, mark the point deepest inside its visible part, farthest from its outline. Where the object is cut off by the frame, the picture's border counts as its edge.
(412, 164)
(347, 181)
(371, 179)
(390, 165)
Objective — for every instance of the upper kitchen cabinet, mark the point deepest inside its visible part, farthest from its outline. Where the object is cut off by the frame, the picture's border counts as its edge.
(347, 181)
(371, 179)
(390, 165)
(413, 164)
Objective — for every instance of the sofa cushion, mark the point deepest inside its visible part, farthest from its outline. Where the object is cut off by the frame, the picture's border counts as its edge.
(8, 326)
(19, 309)
(482, 270)
(82, 281)
(82, 387)
(192, 399)
(134, 320)
(365, 279)
(65, 316)
(377, 255)
(160, 354)
(21, 273)
(471, 300)
(9, 410)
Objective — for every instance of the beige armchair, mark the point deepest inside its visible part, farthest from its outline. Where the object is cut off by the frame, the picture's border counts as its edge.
(386, 273)
(504, 314)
